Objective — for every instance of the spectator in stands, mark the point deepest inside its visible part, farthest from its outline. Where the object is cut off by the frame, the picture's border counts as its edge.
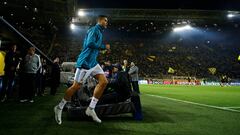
(189, 80)
(55, 76)
(11, 63)
(133, 72)
(31, 65)
(45, 71)
(107, 68)
(118, 88)
(39, 79)
(116, 68)
(125, 66)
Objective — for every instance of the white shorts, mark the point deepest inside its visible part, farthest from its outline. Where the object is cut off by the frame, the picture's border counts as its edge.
(82, 74)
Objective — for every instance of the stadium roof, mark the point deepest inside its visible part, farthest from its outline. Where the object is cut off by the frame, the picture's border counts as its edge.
(157, 14)
(60, 12)
(162, 4)
(50, 15)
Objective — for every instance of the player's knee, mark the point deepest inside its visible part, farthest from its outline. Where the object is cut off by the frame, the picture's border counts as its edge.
(76, 86)
(104, 82)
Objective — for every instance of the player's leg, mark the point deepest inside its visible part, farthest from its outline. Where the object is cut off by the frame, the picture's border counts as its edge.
(102, 83)
(99, 89)
(71, 90)
(68, 94)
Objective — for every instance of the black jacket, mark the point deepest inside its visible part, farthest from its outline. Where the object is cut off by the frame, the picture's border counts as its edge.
(11, 62)
(55, 74)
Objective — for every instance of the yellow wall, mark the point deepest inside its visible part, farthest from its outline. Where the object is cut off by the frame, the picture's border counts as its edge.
(2, 64)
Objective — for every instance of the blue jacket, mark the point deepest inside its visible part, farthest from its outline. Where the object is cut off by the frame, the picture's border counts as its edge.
(91, 46)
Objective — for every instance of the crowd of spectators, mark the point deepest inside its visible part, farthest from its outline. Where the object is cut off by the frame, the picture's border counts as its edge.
(195, 60)
(27, 77)
(153, 55)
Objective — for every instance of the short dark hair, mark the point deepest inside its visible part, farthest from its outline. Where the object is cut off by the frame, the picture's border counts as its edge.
(32, 48)
(101, 17)
(11, 46)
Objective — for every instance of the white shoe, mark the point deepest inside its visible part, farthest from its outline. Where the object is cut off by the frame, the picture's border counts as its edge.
(23, 100)
(58, 114)
(4, 99)
(31, 101)
(91, 112)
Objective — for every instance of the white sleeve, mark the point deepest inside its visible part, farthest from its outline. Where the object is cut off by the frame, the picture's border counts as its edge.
(39, 62)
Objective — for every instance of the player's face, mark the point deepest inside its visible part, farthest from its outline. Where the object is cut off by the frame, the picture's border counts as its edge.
(14, 48)
(125, 62)
(56, 60)
(104, 22)
(132, 64)
(115, 69)
(31, 51)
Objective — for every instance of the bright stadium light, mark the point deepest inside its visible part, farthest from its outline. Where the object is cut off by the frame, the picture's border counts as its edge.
(81, 13)
(182, 28)
(72, 26)
(231, 15)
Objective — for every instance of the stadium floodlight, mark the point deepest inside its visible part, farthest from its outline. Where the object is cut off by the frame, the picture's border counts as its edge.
(231, 15)
(81, 13)
(72, 26)
(182, 28)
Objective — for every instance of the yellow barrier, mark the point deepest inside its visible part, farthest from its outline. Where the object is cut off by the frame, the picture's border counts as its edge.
(2, 64)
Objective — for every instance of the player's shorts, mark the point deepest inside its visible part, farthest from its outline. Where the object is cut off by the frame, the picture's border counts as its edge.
(82, 74)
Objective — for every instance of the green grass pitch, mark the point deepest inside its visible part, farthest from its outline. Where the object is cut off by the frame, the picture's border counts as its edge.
(167, 110)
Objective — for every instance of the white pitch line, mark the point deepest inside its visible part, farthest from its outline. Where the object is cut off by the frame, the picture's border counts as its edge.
(194, 103)
(233, 107)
